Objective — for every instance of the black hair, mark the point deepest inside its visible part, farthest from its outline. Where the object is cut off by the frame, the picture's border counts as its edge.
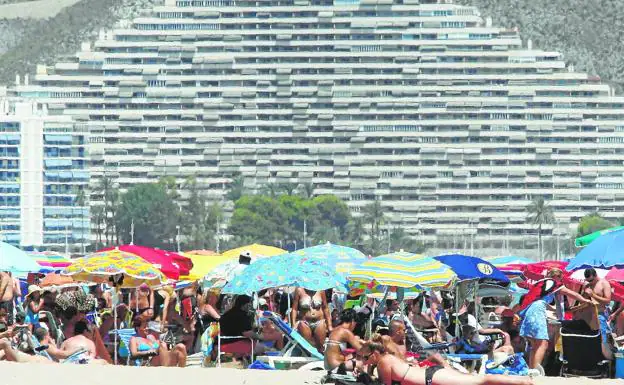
(590, 272)
(241, 301)
(80, 327)
(20, 317)
(347, 316)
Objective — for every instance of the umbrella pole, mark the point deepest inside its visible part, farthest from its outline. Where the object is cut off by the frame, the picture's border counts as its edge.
(456, 320)
(116, 330)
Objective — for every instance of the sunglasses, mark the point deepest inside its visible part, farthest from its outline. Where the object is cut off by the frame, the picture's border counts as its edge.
(590, 279)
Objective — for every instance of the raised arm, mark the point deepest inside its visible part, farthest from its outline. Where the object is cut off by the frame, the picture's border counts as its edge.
(572, 294)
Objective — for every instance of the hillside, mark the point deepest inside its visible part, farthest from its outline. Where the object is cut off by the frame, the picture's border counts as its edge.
(27, 42)
(590, 33)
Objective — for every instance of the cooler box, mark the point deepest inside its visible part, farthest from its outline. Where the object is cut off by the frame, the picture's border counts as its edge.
(619, 364)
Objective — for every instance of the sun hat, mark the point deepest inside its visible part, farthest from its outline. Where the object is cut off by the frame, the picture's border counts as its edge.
(33, 289)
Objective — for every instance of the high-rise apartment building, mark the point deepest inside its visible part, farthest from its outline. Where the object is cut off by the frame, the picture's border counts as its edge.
(43, 168)
(453, 124)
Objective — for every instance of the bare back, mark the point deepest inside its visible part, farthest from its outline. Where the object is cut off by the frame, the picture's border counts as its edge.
(79, 342)
(338, 338)
(6, 288)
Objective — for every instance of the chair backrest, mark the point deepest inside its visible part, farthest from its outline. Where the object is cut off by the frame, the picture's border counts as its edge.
(293, 336)
(582, 351)
(124, 341)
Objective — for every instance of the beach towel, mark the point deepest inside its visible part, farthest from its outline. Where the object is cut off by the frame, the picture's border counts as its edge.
(515, 365)
(208, 338)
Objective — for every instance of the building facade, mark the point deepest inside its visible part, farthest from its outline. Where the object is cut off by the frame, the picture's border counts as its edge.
(43, 168)
(453, 124)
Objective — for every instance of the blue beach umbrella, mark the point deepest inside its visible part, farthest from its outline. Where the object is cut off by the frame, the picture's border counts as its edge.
(605, 252)
(285, 270)
(16, 261)
(341, 258)
(467, 267)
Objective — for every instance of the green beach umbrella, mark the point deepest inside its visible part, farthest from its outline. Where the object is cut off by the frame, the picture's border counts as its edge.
(589, 238)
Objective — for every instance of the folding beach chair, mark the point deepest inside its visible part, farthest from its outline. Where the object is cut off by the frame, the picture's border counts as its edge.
(297, 351)
(581, 354)
(227, 347)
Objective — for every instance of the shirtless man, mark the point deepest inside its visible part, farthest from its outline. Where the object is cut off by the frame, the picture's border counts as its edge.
(7, 294)
(599, 290)
(80, 341)
(9, 354)
(394, 344)
(341, 337)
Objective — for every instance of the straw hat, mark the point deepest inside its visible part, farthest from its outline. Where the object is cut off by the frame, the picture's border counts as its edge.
(33, 289)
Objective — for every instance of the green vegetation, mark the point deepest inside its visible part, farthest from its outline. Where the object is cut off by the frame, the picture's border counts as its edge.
(539, 214)
(591, 223)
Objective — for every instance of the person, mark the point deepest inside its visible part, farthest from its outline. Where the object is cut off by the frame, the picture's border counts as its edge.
(534, 326)
(599, 290)
(239, 322)
(46, 342)
(341, 337)
(425, 322)
(143, 300)
(310, 312)
(394, 342)
(617, 317)
(393, 370)
(7, 295)
(481, 337)
(145, 344)
(33, 304)
(80, 342)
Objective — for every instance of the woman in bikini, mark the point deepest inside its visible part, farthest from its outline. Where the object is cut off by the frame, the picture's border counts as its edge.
(143, 301)
(146, 345)
(394, 371)
(311, 311)
(341, 338)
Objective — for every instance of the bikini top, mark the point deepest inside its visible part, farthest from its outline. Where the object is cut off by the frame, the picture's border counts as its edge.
(308, 303)
(144, 346)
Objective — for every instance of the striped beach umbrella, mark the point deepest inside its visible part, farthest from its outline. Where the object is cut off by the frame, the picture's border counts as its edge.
(51, 259)
(341, 258)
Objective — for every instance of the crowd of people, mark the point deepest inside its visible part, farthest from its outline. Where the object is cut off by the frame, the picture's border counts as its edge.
(78, 324)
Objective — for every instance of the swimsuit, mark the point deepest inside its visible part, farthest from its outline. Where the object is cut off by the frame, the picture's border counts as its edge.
(308, 303)
(429, 372)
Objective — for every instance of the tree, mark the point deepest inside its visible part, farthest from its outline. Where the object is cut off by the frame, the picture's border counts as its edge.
(400, 240)
(259, 218)
(97, 217)
(81, 202)
(306, 190)
(110, 194)
(591, 223)
(154, 213)
(332, 212)
(355, 232)
(235, 188)
(194, 223)
(374, 216)
(539, 213)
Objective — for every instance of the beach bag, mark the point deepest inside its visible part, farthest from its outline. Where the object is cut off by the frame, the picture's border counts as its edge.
(539, 290)
(514, 366)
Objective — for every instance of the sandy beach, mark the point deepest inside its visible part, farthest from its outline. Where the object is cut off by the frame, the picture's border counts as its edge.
(12, 373)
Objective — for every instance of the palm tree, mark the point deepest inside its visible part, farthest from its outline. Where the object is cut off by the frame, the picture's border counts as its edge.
(97, 216)
(539, 213)
(236, 188)
(374, 215)
(81, 202)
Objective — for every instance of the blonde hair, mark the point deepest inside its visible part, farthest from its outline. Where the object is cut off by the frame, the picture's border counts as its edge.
(555, 273)
(375, 344)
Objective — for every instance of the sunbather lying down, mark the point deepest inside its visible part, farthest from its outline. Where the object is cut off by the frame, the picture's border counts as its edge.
(394, 371)
(69, 354)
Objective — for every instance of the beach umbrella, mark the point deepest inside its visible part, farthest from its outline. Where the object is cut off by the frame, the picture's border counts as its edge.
(589, 238)
(285, 270)
(615, 274)
(394, 269)
(51, 259)
(100, 266)
(225, 272)
(341, 258)
(54, 280)
(203, 264)
(467, 267)
(173, 265)
(255, 249)
(604, 252)
(507, 260)
(16, 261)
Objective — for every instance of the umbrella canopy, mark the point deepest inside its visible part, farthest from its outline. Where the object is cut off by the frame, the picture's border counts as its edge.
(50, 259)
(468, 267)
(604, 252)
(256, 250)
(57, 280)
(99, 267)
(341, 258)
(616, 275)
(173, 265)
(222, 274)
(589, 238)
(395, 269)
(285, 270)
(203, 264)
(502, 261)
(16, 261)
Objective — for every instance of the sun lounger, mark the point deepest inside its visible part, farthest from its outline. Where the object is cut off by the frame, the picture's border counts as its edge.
(296, 353)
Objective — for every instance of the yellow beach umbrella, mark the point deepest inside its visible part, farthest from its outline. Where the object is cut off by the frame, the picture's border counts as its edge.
(255, 250)
(204, 264)
(99, 267)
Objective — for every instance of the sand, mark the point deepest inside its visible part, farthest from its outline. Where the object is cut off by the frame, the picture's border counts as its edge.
(13, 373)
